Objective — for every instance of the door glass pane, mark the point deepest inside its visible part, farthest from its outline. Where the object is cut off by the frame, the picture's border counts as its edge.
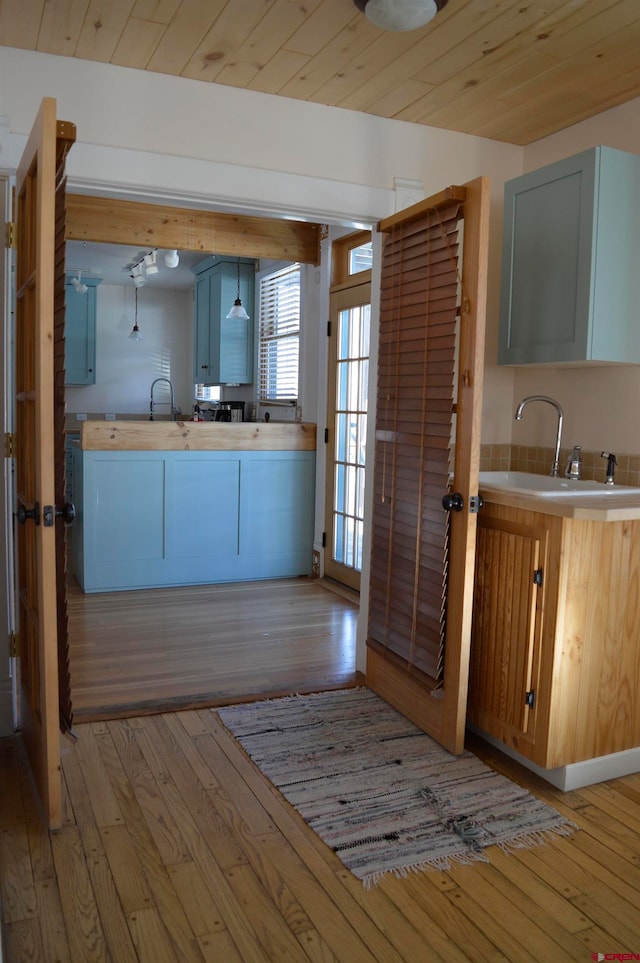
(351, 433)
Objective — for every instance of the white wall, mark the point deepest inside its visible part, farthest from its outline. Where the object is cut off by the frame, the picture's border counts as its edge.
(218, 147)
(125, 368)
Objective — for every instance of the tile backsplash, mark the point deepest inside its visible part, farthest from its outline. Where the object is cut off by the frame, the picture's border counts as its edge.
(539, 461)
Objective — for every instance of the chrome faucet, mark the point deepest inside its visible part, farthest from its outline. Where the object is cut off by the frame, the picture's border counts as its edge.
(550, 401)
(174, 410)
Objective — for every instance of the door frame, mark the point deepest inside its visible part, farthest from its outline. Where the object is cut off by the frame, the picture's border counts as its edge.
(8, 663)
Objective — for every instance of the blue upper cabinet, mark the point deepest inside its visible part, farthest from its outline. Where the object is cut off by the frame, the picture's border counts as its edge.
(570, 263)
(223, 347)
(80, 332)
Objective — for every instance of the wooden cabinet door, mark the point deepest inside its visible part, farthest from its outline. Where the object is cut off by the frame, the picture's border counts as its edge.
(507, 624)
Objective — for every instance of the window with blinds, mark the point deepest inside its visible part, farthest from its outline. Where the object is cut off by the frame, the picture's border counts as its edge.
(414, 425)
(279, 335)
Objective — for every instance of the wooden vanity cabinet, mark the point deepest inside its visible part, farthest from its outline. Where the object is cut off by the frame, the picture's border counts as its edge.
(555, 651)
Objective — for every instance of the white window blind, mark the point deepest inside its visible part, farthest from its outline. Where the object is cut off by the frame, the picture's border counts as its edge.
(279, 340)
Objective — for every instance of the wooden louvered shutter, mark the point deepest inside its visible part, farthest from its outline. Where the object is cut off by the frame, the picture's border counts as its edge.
(431, 340)
(416, 369)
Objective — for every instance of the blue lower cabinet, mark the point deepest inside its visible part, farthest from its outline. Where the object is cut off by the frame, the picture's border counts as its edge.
(147, 519)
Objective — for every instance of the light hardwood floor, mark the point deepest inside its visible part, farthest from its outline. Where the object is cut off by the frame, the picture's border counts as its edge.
(174, 848)
(134, 652)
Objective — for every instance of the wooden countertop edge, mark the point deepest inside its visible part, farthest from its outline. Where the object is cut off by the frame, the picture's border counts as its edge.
(196, 436)
(597, 508)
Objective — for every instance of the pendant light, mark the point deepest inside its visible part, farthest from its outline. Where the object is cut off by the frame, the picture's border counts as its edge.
(237, 312)
(400, 14)
(135, 331)
(172, 259)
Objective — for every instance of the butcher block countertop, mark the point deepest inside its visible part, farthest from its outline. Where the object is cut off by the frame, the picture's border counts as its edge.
(197, 436)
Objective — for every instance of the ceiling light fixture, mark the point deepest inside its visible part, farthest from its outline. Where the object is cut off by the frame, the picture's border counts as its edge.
(150, 266)
(237, 312)
(171, 259)
(138, 276)
(400, 14)
(79, 285)
(135, 331)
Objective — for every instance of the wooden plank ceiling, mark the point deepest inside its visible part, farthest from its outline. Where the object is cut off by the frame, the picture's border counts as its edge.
(513, 71)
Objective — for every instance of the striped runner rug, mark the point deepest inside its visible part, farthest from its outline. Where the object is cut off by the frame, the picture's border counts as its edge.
(381, 793)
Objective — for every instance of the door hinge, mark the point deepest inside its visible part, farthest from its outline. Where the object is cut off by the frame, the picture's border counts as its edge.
(328, 329)
(537, 577)
(10, 238)
(9, 444)
(326, 436)
(13, 645)
(324, 539)
(530, 698)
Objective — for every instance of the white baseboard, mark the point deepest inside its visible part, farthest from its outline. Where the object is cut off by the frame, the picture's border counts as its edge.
(578, 774)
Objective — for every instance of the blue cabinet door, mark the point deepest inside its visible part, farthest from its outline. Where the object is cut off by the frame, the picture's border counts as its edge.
(80, 333)
(152, 518)
(223, 346)
(569, 283)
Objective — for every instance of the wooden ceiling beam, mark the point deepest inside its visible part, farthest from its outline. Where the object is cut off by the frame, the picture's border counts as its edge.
(110, 221)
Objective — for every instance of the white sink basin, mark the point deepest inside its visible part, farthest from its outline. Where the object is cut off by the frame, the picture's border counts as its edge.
(546, 486)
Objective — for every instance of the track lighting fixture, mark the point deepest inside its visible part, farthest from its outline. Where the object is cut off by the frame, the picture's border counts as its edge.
(135, 331)
(146, 266)
(238, 312)
(150, 266)
(138, 276)
(400, 14)
(79, 285)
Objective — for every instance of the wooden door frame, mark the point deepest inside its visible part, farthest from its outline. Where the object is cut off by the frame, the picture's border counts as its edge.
(8, 692)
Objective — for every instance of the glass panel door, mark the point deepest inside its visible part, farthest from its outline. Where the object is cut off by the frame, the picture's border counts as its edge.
(347, 424)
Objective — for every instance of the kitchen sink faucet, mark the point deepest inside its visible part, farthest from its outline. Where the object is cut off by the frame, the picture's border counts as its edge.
(549, 401)
(174, 410)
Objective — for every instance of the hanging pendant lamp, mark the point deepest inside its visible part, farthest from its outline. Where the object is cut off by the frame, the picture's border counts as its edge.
(238, 312)
(400, 14)
(135, 331)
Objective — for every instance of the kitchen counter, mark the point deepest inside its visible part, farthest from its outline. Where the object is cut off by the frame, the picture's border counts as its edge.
(186, 503)
(196, 436)
(597, 507)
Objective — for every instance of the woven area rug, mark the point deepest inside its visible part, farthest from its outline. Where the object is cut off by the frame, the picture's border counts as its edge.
(380, 792)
